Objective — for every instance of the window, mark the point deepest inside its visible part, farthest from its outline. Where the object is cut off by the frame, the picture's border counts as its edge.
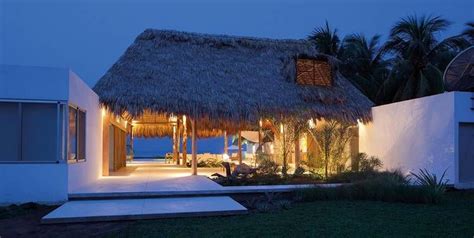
(77, 135)
(313, 72)
(30, 131)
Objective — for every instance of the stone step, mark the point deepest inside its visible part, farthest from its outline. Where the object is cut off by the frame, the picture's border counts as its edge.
(136, 209)
(221, 191)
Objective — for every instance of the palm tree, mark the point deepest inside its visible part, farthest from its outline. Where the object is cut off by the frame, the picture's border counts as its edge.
(469, 32)
(326, 40)
(364, 63)
(416, 49)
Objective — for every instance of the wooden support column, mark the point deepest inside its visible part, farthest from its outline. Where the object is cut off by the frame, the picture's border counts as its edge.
(240, 148)
(226, 143)
(193, 145)
(297, 149)
(185, 141)
(260, 132)
(178, 140)
(131, 142)
(175, 152)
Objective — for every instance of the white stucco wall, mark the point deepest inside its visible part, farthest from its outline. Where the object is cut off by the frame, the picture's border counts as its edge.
(41, 183)
(81, 95)
(28, 181)
(418, 134)
(33, 82)
(463, 114)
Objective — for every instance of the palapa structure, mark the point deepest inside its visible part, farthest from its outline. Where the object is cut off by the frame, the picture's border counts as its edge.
(224, 83)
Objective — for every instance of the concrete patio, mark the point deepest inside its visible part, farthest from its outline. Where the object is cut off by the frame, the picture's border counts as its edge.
(151, 178)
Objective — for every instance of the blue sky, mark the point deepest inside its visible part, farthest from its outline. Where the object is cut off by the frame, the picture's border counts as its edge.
(88, 36)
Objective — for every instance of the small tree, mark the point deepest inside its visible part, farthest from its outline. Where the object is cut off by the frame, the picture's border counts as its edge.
(288, 131)
(332, 138)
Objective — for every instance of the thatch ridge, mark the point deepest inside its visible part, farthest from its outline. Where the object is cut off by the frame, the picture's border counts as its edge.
(223, 78)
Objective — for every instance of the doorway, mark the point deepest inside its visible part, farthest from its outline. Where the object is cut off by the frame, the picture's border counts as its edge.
(466, 152)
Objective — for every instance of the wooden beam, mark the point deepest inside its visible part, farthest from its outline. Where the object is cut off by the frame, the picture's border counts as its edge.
(240, 148)
(185, 141)
(194, 148)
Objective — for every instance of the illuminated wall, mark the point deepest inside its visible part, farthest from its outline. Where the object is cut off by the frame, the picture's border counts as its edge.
(418, 134)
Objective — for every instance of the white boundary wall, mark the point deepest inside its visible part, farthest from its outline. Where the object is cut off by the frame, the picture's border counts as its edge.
(418, 134)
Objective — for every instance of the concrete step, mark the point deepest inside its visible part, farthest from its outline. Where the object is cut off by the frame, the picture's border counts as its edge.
(150, 208)
(221, 191)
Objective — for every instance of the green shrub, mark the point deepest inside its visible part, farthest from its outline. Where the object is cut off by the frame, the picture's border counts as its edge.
(435, 188)
(353, 176)
(367, 163)
(299, 171)
(268, 167)
(207, 163)
(387, 187)
(284, 204)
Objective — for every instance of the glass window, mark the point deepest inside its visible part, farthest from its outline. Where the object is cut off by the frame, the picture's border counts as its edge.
(10, 121)
(39, 134)
(30, 132)
(72, 146)
(81, 135)
(77, 135)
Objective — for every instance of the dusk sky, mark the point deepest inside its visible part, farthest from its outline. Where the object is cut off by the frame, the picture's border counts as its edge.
(89, 36)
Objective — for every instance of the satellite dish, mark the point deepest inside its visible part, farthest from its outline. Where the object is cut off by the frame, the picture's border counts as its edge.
(459, 75)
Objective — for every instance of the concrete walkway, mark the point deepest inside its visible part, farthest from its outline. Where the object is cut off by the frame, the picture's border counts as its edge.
(132, 209)
(164, 180)
(150, 178)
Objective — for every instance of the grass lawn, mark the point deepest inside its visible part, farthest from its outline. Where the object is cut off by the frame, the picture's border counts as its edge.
(452, 218)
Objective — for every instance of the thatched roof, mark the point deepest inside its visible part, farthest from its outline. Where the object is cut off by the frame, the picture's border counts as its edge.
(224, 79)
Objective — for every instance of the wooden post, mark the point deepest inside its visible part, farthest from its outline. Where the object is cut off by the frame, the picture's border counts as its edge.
(178, 140)
(240, 148)
(193, 145)
(297, 149)
(260, 132)
(185, 141)
(226, 143)
(131, 142)
(174, 143)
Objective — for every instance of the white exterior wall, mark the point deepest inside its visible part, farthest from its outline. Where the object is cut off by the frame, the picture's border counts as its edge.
(33, 83)
(50, 182)
(463, 113)
(42, 183)
(33, 182)
(82, 96)
(418, 134)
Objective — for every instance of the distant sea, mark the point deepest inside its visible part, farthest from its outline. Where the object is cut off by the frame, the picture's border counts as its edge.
(160, 146)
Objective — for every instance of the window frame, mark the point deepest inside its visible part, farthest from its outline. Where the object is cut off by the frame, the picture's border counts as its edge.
(60, 107)
(78, 109)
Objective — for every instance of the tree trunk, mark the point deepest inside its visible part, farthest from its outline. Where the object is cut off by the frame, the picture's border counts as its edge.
(297, 149)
